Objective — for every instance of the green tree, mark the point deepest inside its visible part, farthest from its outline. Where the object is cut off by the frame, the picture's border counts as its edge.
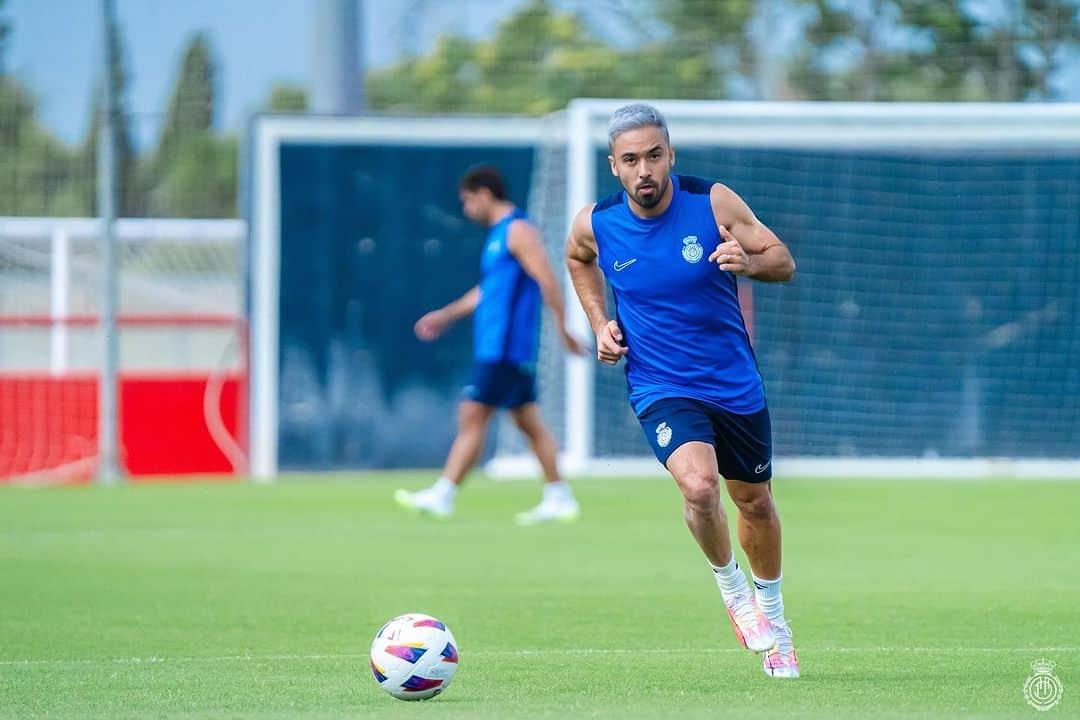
(192, 172)
(537, 61)
(5, 33)
(934, 49)
(191, 105)
(35, 168)
(287, 98)
(719, 32)
(83, 179)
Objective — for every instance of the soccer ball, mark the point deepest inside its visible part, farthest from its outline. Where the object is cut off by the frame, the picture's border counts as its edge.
(414, 657)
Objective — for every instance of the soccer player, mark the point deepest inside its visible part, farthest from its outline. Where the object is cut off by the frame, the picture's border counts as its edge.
(670, 247)
(515, 276)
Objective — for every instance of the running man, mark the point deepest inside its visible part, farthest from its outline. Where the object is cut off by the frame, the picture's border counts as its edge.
(670, 247)
(515, 276)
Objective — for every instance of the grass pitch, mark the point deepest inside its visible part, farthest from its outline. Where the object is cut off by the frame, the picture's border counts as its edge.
(908, 598)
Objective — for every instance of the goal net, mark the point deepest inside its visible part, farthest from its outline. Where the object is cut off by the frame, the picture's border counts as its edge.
(182, 338)
(932, 325)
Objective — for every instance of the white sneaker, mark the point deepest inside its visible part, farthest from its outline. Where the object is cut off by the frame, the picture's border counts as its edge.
(781, 661)
(752, 628)
(564, 510)
(426, 501)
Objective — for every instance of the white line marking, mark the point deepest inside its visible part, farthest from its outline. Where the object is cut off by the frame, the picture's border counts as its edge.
(157, 659)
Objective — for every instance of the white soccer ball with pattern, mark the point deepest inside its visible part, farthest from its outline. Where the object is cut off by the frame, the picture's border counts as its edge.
(414, 657)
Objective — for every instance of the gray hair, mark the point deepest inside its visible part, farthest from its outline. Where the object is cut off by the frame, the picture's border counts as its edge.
(632, 117)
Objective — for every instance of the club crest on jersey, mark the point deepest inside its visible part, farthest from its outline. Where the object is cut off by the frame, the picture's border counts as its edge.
(691, 249)
(663, 434)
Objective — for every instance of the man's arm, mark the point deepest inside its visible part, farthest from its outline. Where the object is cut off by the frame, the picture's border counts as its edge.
(589, 285)
(748, 247)
(525, 244)
(435, 323)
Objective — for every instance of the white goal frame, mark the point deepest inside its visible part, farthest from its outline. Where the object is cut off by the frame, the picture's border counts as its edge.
(812, 125)
(268, 134)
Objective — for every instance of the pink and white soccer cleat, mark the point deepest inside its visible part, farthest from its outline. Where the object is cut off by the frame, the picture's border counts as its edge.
(781, 661)
(752, 628)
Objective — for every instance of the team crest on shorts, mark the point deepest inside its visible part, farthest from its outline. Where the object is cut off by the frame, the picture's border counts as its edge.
(663, 434)
(691, 249)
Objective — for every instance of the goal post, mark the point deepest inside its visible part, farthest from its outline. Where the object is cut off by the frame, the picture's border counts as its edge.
(181, 331)
(905, 345)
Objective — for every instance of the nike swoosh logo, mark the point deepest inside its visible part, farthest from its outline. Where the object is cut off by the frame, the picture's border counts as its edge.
(762, 468)
(619, 267)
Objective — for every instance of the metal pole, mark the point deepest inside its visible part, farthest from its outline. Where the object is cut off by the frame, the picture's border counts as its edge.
(336, 78)
(108, 408)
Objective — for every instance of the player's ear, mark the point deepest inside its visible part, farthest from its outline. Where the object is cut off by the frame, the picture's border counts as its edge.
(611, 161)
(672, 152)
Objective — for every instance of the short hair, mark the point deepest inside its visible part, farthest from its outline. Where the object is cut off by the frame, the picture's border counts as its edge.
(632, 117)
(484, 176)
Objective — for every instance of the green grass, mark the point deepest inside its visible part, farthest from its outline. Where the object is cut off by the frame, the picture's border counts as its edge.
(914, 598)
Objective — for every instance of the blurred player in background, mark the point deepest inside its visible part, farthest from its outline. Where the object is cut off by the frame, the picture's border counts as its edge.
(671, 247)
(515, 277)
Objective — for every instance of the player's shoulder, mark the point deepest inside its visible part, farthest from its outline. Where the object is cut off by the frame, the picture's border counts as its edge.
(582, 224)
(520, 231)
(694, 185)
(612, 201)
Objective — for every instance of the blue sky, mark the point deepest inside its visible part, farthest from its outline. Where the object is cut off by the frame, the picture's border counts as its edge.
(55, 46)
(257, 43)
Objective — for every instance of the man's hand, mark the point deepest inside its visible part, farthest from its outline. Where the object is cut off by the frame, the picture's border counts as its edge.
(609, 347)
(573, 345)
(432, 325)
(729, 255)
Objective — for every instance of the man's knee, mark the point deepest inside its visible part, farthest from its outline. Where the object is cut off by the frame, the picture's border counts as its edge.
(700, 490)
(755, 502)
(472, 415)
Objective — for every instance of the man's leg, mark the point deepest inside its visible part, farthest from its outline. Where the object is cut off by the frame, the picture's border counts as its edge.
(527, 419)
(558, 502)
(473, 420)
(438, 500)
(760, 537)
(758, 526)
(693, 465)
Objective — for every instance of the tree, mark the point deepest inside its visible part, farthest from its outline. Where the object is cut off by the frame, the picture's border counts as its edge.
(5, 33)
(288, 98)
(35, 168)
(538, 60)
(934, 49)
(84, 174)
(191, 105)
(718, 31)
(192, 172)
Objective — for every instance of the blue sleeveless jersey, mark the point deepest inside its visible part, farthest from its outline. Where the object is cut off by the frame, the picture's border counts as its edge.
(506, 325)
(679, 313)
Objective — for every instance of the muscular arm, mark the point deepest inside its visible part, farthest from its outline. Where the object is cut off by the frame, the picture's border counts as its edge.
(525, 244)
(588, 282)
(584, 272)
(748, 246)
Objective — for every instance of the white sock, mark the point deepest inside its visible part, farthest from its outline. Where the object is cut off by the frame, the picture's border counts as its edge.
(445, 488)
(557, 490)
(729, 577)
(769, 598)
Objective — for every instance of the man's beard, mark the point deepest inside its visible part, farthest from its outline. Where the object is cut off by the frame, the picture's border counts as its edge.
(648, 201)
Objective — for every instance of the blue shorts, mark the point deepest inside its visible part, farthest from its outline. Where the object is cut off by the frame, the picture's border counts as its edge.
(502, 384)
(743, 443)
